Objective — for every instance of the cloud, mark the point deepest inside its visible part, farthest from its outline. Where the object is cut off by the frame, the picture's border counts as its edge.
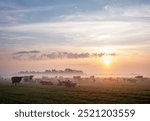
(26, 52)
(77, 33)
(76, 55)
(67, 55)
(36, 55)
(112, 13)
(110, 26)
(33, 9)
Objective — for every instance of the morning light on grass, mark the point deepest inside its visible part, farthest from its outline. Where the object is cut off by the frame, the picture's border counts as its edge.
(75, 51)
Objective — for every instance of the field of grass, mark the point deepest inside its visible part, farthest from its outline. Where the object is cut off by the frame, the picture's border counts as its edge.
(85, 94)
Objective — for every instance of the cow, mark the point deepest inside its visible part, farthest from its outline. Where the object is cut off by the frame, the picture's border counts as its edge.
(28, 78)
(16, 80)
(70, 84)
(67, 83)
(61, 83)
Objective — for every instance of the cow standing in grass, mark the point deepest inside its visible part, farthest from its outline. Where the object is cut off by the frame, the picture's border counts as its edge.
(70, 84)
(28, 78)
(66, 83)
(16, 80)
(61, 83)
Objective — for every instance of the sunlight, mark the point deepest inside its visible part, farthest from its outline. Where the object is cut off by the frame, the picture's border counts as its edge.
(107, 60)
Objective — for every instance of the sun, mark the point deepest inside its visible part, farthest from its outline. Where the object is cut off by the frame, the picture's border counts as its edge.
(107, 60)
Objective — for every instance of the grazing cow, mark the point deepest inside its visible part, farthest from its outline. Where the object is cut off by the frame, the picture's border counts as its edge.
(66, 83)
(70, 84)
(16, 80)
(61, 83)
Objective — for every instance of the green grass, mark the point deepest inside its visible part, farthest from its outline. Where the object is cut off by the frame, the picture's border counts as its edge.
(86, 94)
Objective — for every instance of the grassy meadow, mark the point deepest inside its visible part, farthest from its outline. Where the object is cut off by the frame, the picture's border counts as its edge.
(86, 93)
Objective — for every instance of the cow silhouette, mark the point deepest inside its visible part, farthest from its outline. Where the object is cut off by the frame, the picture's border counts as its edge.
(28, 78)
(67, 83)
(70, 84)
(16, 80)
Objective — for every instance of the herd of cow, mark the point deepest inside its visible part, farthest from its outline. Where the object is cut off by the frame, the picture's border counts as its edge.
(17, 79)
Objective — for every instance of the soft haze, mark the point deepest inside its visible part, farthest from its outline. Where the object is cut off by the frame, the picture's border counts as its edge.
(79, 34)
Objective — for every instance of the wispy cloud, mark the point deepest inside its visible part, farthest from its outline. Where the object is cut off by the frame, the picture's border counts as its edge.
(29, 10)
(112, 13)
(26, 52)
(109, 25)
(37, 55)
(88, 33)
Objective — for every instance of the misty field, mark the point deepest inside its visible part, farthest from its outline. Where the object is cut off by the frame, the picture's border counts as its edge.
(86, 93)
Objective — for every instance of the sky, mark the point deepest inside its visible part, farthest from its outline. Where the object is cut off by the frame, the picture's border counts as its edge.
(96, 36)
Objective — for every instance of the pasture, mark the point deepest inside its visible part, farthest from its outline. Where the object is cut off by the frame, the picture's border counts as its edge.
(86, 93)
